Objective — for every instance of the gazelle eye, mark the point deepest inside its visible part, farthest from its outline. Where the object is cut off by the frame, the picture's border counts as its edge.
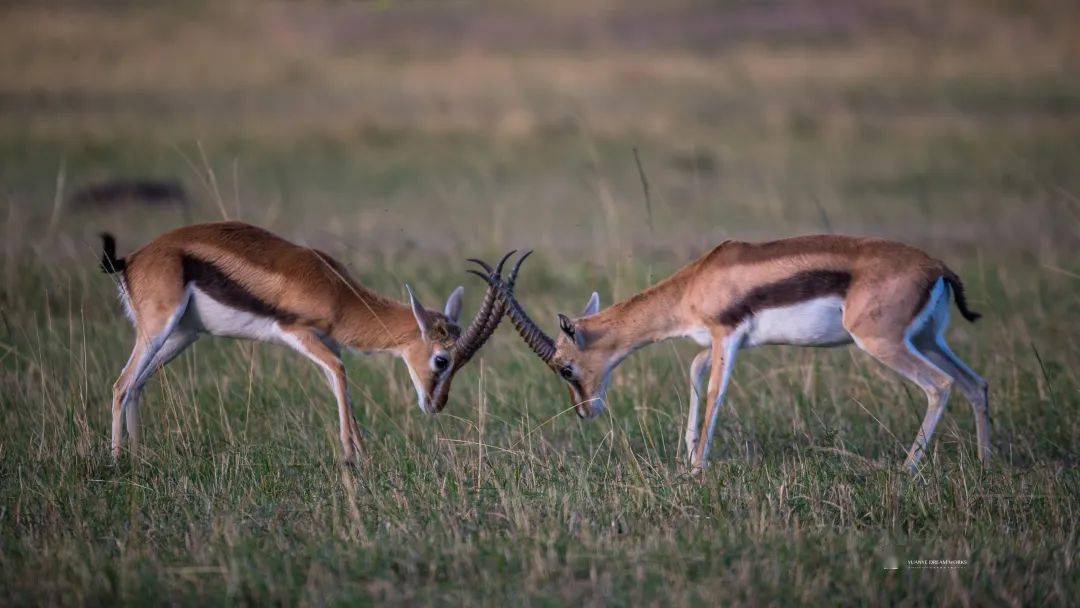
(440, 362)
(566, 372)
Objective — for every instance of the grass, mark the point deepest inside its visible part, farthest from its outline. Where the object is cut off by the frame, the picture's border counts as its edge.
(955, 132)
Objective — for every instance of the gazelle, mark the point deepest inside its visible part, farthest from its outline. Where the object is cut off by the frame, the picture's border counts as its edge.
(240, 281)
(890, 299)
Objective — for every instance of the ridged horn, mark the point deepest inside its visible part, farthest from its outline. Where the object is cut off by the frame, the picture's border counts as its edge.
(485, 322)
(534, 337)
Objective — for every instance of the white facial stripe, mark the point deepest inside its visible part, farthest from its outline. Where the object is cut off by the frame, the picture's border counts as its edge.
(421, 396)
(596, 404)
(599, 402)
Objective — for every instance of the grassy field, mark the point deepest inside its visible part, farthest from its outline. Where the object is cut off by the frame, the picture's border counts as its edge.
(404, 138)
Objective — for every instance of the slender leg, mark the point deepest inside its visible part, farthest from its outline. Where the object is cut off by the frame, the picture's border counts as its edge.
(309, 344)
(120, 391)
(723, 360)
(900, 356)
(170, 348)
(971, 385)
(149, 342)
(162, 339)
(698, 373)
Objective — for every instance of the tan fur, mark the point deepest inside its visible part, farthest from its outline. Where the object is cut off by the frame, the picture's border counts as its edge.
(325, 307)
(303, 281)
(696, 294)
(889, 285)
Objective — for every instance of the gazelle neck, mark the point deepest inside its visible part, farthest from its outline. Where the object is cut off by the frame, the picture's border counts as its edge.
(650, 316)
(372, 322)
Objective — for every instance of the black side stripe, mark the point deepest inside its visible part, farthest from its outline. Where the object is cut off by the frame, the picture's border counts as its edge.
(792, 290)
(216, 284)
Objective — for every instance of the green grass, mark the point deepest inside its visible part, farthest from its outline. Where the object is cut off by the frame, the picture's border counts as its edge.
(401, 167)
(241, 495)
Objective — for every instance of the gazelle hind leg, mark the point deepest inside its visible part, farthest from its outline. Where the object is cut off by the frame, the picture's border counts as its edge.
(699, 372)
(974, 388)
(931, 342)
(174, 344)
(154, 331)
(120, 392)
(902, 357)
(885, 329)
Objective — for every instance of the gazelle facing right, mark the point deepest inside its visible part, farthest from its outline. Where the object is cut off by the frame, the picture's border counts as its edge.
(890, 299)
(236, 280)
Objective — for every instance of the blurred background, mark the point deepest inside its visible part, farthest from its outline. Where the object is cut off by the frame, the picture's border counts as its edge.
(403, 137)
(388, 129)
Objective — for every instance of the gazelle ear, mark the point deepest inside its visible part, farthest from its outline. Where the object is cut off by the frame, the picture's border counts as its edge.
(453, 304)
(419, 312)
(566, 325)
(593, 306)
(571, 330)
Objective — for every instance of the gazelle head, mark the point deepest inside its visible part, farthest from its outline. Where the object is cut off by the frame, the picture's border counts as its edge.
(581, 355)
(584, 360)
(443, 347)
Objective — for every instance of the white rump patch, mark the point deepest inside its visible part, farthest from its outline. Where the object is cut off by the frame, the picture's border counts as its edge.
(935, 312)
(125, 300)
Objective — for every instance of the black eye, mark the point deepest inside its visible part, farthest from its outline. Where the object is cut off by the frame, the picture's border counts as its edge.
(566, 372)
(440, 362)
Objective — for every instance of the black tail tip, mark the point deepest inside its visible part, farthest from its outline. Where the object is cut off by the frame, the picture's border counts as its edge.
(961, 300)
(109, 262)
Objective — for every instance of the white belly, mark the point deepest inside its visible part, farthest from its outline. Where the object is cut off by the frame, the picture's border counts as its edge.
(208, 315)
(702, 336)
(817, 322)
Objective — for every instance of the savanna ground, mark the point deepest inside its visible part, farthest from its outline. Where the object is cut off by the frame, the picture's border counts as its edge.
(403, 138)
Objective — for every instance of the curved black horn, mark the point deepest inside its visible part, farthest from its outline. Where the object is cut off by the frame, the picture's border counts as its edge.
(538, 341)
(517, 267)
(485, 322)
(500, 306)
(487, 268)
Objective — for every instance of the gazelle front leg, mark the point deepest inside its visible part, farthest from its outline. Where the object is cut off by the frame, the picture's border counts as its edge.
(699, 370)
(309, 344)
(724, 347)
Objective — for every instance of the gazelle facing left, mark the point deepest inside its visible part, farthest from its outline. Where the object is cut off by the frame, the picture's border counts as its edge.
(890, 299)
(236, 280)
